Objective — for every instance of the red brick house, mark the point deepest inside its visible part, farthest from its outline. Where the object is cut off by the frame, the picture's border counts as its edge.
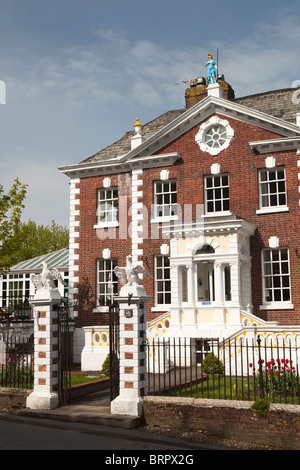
(206, 198)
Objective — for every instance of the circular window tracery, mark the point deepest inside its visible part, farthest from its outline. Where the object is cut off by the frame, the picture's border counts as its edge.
(214, 135)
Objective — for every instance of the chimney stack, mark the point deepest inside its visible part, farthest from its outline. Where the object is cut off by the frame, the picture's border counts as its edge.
(200, 89)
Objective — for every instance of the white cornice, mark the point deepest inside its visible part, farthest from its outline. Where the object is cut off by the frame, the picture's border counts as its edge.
(273, 145)
(143, 154)
(116, 165)
(208, 225)
(202, 111)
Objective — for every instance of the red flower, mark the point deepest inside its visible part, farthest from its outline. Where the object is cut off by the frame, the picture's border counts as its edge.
(250, 365)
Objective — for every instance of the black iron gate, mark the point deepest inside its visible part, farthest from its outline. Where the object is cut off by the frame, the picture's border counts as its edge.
(114, 350)
(64, 357)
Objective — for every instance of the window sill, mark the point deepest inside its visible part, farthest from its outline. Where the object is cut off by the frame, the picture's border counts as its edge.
(107, 225)
(160, 220)
(104, 309)
(272, 210)
(277, 306)
(217, 214)
(161, 308)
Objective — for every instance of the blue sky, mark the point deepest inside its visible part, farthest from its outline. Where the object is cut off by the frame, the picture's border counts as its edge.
(79, 72)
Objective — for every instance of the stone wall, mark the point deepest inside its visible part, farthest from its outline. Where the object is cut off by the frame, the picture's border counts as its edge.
(12, 399)
(279, 429)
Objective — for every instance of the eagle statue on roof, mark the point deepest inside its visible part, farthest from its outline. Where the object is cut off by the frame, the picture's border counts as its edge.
(130, 274)
(46, 279)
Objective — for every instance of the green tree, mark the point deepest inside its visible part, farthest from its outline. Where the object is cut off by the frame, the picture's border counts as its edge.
(30, 240)
(11, 206)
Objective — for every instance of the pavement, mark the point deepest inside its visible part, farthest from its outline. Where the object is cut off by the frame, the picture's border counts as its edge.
(90, 409)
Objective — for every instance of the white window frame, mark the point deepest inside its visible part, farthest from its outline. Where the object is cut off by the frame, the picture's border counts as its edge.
(215, 199)
(107, 207)
(165, 200)
(214, 122)
(163, 296)
(14, 287)
(276, 270)
(275, 195)
(110, 285)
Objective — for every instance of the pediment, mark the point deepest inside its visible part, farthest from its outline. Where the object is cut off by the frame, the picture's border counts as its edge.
(204, 110)
(147, 154)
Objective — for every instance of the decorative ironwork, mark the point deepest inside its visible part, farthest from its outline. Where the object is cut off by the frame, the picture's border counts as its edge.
(114, 350)
(15, 307)
(64, 356)
(16, 360)
(222, 369)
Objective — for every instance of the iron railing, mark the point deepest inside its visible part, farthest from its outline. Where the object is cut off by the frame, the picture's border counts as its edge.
(16, 360)
(15, 307)
(224, 369)
(64, 356)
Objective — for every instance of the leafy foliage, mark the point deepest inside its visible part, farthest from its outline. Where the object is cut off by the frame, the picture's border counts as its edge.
(106, 366)
(261, 406)
(276, 377)
(30, 240)
(11, 206)
(212, 365)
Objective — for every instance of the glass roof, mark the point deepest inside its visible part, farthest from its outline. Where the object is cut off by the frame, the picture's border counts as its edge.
(56, 259)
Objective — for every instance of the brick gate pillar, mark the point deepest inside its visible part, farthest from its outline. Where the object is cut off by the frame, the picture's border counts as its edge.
(45, 392)
(132, 309)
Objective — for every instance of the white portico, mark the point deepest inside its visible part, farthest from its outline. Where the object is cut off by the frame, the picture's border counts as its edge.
(210, 275)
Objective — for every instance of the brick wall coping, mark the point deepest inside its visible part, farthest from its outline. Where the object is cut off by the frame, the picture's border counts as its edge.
(215, 403)
(19, 391)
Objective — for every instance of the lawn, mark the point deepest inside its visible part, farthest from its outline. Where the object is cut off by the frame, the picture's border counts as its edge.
(82, 379)
(226, 388)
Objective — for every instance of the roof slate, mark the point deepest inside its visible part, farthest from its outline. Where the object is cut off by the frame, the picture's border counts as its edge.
(123, 145)
(276, 103)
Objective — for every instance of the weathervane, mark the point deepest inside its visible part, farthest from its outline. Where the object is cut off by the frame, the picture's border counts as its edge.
(212, 68)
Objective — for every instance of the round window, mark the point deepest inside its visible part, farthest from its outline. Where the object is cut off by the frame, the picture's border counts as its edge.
(216, 137)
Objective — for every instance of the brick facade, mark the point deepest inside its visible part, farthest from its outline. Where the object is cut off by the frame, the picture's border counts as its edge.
(137, 235)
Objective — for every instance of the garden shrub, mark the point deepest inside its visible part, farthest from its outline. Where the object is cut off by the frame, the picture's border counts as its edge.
(212, 365)
(106, 366)
(261, 406)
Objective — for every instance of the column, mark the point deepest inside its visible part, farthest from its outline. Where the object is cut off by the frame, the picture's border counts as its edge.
(235, 292)
(190, 285)
(132, 306)
(45, 392)
(190, 306)
(219, 284)
(235, 283)
(219, 294)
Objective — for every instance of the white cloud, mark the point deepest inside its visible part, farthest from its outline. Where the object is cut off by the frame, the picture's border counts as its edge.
(114, 68)
(60, 106)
